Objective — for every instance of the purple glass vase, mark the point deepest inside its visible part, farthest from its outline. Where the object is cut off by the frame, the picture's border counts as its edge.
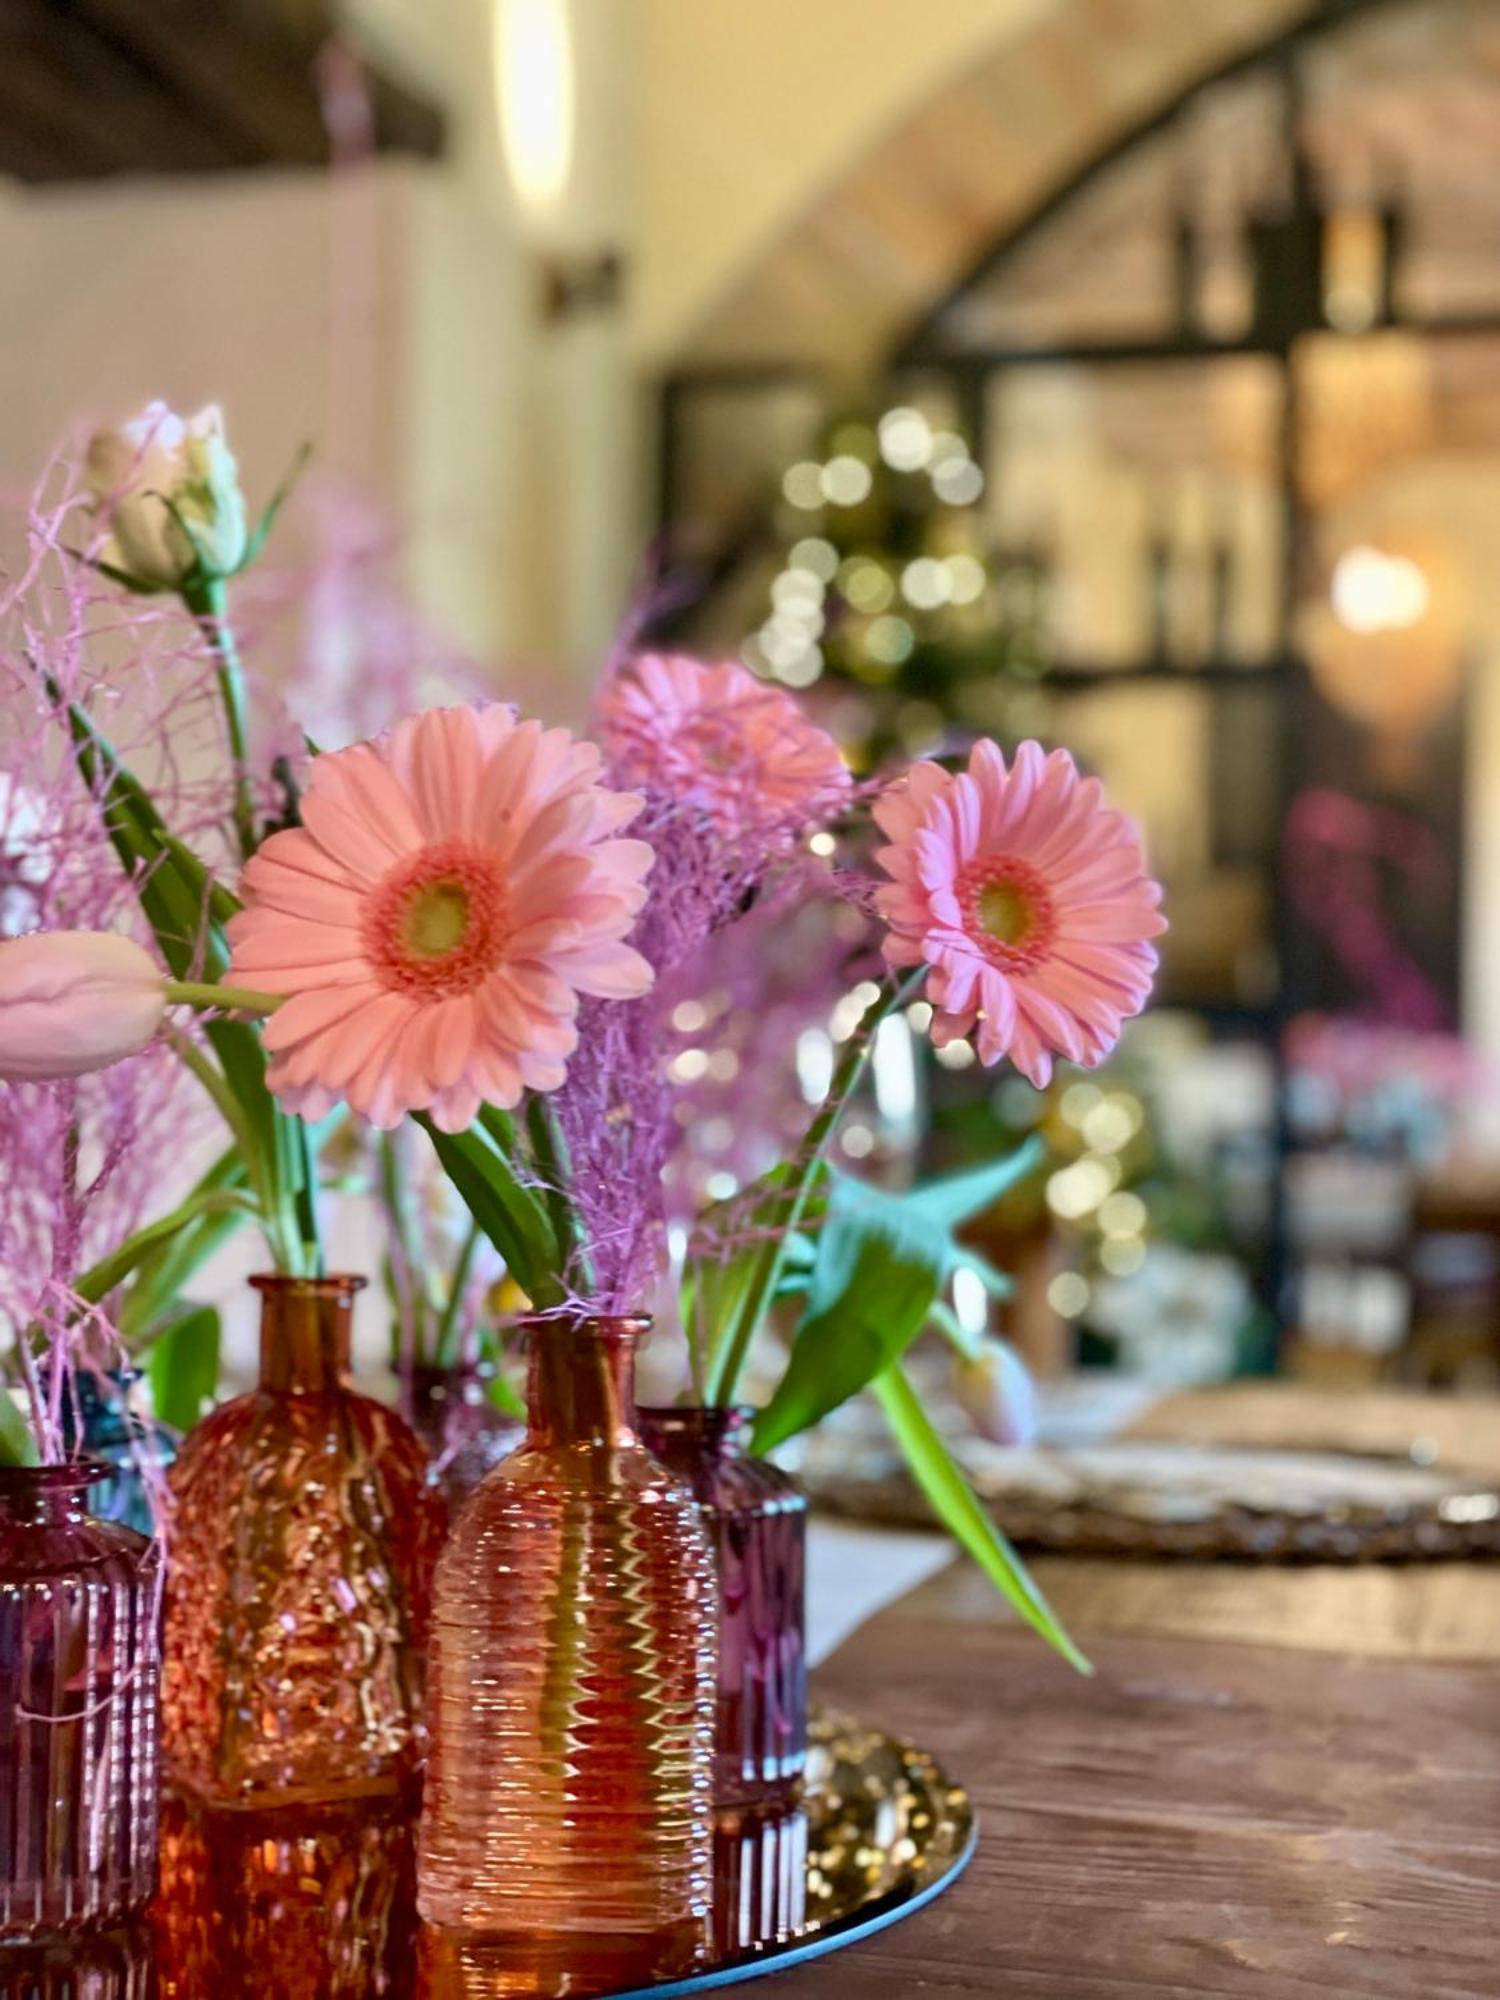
(460, 1429)
(760, 1876)
(80, 1668)
(756, 1518)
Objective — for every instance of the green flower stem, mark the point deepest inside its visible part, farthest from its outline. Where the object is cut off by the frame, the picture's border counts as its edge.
(550, 1152)
(209, 603)
(282, 1237)
(395, 1196)
(228, 999)
(761, 1289)
(101, 1279)
(305, 1200)
(444, 1346)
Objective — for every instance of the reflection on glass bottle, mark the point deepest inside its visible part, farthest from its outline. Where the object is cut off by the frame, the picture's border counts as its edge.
(111, 1964)
(136, 1448)
(463, 1433)
(760, 1877)
(756, 1520)
(297, 1602)
(306, 1903)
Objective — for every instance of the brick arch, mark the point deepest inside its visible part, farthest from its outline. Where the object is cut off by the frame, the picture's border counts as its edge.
(904, 224)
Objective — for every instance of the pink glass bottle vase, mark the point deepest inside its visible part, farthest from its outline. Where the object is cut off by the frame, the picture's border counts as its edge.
(756, 1517)
(80, 1666)
(464, 1434)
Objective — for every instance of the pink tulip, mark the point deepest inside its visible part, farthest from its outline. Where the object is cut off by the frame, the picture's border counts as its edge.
(75, 1001)
(997, 1394)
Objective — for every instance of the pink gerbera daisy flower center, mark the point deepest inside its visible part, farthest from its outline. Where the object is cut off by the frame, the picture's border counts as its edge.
(451, 893)
(1028, 901)
(717, 739)
(1008, 911)
(437, 924)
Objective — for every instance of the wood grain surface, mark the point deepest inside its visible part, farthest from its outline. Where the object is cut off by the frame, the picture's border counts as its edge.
(1199, 1819)
(1405, 1611)
(1280, 1783)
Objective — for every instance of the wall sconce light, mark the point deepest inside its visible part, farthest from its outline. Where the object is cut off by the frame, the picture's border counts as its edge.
(536, 92)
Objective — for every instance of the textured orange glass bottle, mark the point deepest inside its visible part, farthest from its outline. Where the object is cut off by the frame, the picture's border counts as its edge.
(303, 1542)
(567, 1813)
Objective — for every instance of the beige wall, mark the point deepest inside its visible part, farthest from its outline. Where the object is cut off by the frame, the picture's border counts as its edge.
(748, 111)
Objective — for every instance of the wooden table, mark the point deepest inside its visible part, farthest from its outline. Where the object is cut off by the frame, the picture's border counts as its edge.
(1279, 1782)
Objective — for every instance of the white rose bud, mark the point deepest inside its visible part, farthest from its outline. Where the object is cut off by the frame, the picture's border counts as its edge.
(157, 458)
(997, 1394)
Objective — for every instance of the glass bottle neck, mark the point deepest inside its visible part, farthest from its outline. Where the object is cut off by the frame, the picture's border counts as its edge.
(463, 1386)
(581, 1385)
(305, 1333)
(686, 1438)
(47, 1496)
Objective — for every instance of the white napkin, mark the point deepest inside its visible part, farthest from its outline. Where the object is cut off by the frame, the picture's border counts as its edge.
(853, 1572)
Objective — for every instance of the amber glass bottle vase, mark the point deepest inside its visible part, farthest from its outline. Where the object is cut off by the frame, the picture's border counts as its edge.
(303, 1542)
(567, 1816)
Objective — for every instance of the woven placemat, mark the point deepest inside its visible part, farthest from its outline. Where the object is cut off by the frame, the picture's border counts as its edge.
(1201, 1502)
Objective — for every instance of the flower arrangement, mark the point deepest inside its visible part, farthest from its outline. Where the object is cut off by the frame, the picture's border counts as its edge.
(490, 958)
(492, 928)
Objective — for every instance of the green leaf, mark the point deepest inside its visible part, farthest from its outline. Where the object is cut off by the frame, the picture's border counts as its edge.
(185, 901)
(950, 1200)
(512, 1215)
(17, 1446)
(499, 1388)
(160, 1284)
(549, 1151)
(872, 1287)
(716, 1284)
(257, 538)
(881, 1261)
(157, 1237)
(504, 1397)
(956, 1506)
(803, 1178)
(184, 1366)
(187, 908)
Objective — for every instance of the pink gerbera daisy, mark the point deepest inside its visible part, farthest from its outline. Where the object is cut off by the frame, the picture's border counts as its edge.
(451, 891)
(1028, 899)
(721, 740)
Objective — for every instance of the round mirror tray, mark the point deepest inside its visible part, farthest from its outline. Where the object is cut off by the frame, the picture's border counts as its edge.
(318, 1904)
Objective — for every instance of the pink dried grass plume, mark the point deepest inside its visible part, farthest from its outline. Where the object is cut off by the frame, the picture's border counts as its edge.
(1028, 899)
(733, 775)
(335, 629)
(717, 739)
(453, 889)
(82, 1162)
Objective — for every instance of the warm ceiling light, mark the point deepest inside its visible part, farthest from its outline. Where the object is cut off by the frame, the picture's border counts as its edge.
(1386, 644)
(1376, 592)
(535, 92)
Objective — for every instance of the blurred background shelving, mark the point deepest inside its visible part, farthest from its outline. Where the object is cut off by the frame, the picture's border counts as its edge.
(1194, 472)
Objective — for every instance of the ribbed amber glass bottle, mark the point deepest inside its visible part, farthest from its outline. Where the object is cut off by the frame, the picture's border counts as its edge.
(567, 1812)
